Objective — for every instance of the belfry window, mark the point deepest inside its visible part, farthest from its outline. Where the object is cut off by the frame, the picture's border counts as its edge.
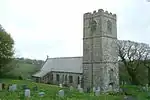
(109, 26)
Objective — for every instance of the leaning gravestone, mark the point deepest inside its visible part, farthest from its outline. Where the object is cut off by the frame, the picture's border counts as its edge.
(27, 93)
(0, 86)
(61, 93)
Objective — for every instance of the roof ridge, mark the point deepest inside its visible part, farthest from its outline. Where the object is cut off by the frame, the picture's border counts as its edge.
(66, 57)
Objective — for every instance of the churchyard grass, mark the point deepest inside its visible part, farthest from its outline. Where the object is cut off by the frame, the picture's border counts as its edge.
(51, 92)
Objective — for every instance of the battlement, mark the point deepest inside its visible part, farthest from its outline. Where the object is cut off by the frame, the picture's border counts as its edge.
(100, 12)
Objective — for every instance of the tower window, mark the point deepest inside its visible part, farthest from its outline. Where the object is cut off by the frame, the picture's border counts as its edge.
(109, 26)
(92, 25)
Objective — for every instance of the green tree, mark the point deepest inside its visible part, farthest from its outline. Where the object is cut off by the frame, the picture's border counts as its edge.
(6, 51)
(133, 54)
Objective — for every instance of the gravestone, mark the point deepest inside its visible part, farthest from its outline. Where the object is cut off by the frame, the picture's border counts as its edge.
(14, 87)
(147, 88)
(122, 83)
(71, 88)
(144, 89)
(0, 86)
(97, 93)
(81, 90)
(125, 83)
(10, 88)
(98, 88)
(27, 93)
(94, 89)
(41, 94)
(60, 85)
(61, 93)
(79, 86)
(121, 90)
(110, 88)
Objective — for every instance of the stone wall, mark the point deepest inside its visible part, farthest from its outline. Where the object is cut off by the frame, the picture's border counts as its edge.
(99, 49)
(63, 80)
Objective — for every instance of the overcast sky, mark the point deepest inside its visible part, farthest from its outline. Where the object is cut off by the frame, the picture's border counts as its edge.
(54, 27)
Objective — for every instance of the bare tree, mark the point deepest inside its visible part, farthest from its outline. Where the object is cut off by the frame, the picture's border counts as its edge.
(133, 54)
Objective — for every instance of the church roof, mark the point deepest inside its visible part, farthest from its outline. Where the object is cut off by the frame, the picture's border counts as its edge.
(62, 64)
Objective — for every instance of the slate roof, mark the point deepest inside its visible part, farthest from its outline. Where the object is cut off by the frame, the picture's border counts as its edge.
(62, 64)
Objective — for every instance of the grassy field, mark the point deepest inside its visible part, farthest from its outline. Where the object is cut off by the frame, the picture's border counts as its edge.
(51, 93)
(24, 70)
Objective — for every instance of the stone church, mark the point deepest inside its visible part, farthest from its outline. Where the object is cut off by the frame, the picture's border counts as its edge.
(99, 65)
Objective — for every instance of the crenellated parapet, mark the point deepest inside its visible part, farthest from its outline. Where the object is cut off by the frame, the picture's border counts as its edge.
(98, 13)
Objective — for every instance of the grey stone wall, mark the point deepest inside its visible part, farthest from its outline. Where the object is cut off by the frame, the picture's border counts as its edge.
(99, 49)
(62, 78)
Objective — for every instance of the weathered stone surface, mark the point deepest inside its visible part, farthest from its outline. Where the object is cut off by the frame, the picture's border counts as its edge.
(100, 67)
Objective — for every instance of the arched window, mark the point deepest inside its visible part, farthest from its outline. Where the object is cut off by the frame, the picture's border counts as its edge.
(65, 77)
(57, 77)
(109, 26)
(70, 79)
(92, 25)
(51, 77)
(62, 78)
(78, 80)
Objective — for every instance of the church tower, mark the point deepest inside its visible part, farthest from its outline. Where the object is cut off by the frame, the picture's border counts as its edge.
(100, 59)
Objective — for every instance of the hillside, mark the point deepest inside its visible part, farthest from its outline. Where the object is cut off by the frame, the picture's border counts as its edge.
(50, 91)
(25, 68)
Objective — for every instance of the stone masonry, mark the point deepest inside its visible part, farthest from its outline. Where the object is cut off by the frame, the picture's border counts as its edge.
(100, 66)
